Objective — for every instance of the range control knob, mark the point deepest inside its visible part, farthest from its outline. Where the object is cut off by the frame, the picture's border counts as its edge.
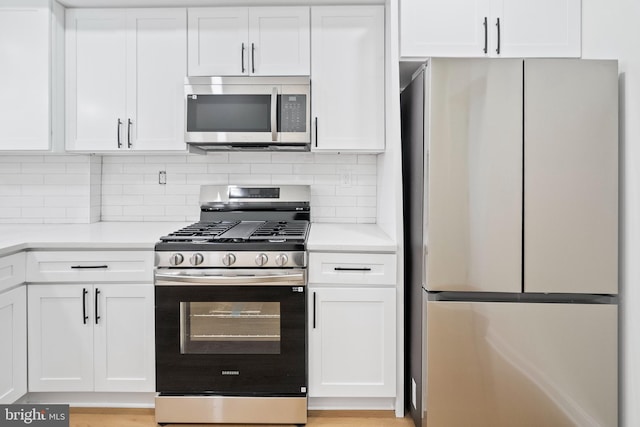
(196, 259)
(282, 259)
(176, 259)
(262, 259)
(228, 259)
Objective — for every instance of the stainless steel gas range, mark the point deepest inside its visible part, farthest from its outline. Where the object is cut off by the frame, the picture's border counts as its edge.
(231, 319)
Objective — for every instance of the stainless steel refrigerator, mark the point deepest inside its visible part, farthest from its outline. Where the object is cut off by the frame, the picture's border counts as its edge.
(511, 214)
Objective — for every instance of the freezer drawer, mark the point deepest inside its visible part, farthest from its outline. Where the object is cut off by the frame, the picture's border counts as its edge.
(503, 364)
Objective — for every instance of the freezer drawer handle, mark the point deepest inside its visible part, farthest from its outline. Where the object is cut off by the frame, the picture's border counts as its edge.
(89, 266)
(352, 269)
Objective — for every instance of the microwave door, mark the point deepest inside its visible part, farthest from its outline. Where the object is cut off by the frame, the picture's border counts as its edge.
(231, 114)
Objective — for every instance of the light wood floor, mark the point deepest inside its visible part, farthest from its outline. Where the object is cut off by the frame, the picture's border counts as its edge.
(90, 417)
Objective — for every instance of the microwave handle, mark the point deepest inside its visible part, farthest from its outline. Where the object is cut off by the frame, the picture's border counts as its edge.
(274, 121)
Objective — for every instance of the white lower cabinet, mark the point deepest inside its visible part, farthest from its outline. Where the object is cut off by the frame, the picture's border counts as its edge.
(352, 341)
(13, 344)
(91, 338)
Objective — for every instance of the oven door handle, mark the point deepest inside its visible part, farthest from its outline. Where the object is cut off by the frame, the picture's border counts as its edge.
(272, 280)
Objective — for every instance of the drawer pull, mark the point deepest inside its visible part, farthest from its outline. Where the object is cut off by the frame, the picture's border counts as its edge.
(352, 269)
(90, 266)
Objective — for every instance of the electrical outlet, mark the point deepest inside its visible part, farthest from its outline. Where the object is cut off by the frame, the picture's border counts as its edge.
(345, 177)
(162, 177)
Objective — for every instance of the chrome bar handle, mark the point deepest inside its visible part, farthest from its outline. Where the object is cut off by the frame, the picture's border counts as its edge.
(498, 26)
(118, 133)
(253, 58)
(485, 50)
(274, 114)
(164, 279)
(242, 58)
(129, 122)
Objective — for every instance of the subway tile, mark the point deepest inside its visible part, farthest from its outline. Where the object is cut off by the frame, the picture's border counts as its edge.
(187, 168)
(12, 168)
(165, 158)
(21, 179)
(10, 190)
(163, 200)
(202, 179)
(249, 157)
(10, 212)
(67, 158)
(208, 158)
(44, 168)
(336, 158)
(292, 179)
(245, 179)
(66, 179)
(315, 169)
(9, 158)
(367, 159)
(229, 168)
(271, 168)
(21, 201)
(142, 168)
(292, 158)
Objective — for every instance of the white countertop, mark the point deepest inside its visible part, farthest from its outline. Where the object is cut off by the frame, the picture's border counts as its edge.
(99, 235)
(143, 235)
(349, 238)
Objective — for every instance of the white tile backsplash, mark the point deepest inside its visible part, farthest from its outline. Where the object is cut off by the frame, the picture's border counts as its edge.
(90, 188)
(47, 189)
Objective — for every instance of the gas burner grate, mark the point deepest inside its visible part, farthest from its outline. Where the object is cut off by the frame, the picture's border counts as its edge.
(200, 231)
(278, 230)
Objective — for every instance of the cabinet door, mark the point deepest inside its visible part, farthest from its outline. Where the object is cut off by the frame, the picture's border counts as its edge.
(279, 41)
(13, 351)
(218, 43)
(24, 75)
(543, 28)
(60, 336)
(347, 73)
(444, 28)
(352, 342)
(124, 338)
(95, 78)
(157, 66)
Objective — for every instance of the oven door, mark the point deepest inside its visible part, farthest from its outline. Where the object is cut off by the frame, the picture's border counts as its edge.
(231, 332)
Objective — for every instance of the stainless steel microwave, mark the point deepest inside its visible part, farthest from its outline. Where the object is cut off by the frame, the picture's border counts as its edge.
(247, 113)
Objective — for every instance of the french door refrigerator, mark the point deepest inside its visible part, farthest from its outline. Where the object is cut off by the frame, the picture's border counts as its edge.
(511, 189)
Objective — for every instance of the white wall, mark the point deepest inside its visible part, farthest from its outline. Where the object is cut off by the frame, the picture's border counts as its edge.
(611, 30)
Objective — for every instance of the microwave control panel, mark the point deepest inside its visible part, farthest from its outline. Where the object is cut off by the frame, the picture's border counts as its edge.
(293, 113)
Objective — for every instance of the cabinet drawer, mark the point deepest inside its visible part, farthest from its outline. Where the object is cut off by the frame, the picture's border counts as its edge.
(90, 266)
(350, 268)
(12, 270)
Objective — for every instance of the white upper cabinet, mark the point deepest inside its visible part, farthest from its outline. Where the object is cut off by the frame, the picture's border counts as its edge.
(261, 41)
(491, 28)
(347, 78)
(125, 73)
(26, 33)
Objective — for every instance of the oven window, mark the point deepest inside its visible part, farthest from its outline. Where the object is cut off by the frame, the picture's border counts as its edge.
(230, 327)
